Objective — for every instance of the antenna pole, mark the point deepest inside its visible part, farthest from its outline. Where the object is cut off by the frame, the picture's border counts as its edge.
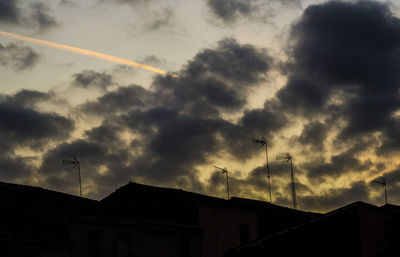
(293, 185)
(75, 162)
(385, 194)
(383, 183)
(79, 173)
(227, 179)
(269, 178)
(263, 142)
(227, 183)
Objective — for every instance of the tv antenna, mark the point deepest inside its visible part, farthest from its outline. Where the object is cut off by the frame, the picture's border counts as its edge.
(263, 142)
(76, 163)
(224, 170)
(383, 183)
(287, 157)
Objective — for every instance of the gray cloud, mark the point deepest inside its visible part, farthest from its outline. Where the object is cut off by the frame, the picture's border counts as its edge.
(163, 19)
(231, 11)
(122, 99)
(331, 199)
(102, 147)
(17, 56)
(21, 125)
(90, 78)
(14, 168)
(128, 2)
(336, 57)
(9, 12)
(314, 134)
(35, 15)
(41, 17)
(28, 98)
(131, 1)
(177, 121)
(57, 175)
(153, 60)
(390, 137)
(318, 169)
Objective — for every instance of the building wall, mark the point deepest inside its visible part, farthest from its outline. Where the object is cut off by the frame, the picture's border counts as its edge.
(128, 241)
(372, 231)
(221, 228)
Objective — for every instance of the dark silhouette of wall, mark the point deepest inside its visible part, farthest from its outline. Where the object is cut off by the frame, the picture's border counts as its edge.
(135, 220)
(358, 229)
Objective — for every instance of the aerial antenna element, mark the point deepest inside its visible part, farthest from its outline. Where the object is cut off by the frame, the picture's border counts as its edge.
(224, 170)
(287, 157)
(263, 142)
(383, 183)
(76, 163)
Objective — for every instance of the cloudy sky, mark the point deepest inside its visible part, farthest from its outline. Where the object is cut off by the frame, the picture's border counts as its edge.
(319, 79)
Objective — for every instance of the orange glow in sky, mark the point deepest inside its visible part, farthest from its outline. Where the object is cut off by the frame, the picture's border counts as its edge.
(106, 57)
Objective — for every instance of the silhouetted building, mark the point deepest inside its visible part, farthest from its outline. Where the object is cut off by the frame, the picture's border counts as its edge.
(135, 220)
(33, 221)
(358, 229)
(223, 224)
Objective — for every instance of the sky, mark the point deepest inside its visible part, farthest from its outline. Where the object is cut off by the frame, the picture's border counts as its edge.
(319, 80)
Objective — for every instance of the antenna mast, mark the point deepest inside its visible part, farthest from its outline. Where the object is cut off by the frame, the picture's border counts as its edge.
(263, 142)
(224, 170)
(383, 183)
(287, 157)
(76, 163)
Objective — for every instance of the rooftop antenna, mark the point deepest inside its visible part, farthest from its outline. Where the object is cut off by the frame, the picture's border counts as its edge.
(224, 170)
(383, 183)
(287, 157)
(263, 142)
(76, 163)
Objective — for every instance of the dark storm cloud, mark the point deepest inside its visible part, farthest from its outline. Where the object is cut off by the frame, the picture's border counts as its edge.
(255, 184)
(229, 10)
(334, 198)
(233, 10)
(337, 166)
(264, 120)
(101, 148)
(153, 60)
(318, 168)
(107, 134)
(41, 17)
(345, 63)
(35, 15)
(129, 2)
(257, 178)
(232, 62)
(20, 125)
(183, 128)
(392, 180)
(122, 99)
(9, 11)
(177, 123)
(57, 175)
(314, 134)
(17, 56)
(132, 1)
(90, 78)
(162, 19)
(216, 79)
(390, 137)
(28, 98)
(12, 168)
(176, 143)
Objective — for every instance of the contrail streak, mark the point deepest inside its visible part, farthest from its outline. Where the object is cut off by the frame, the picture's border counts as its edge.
(106, 57)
